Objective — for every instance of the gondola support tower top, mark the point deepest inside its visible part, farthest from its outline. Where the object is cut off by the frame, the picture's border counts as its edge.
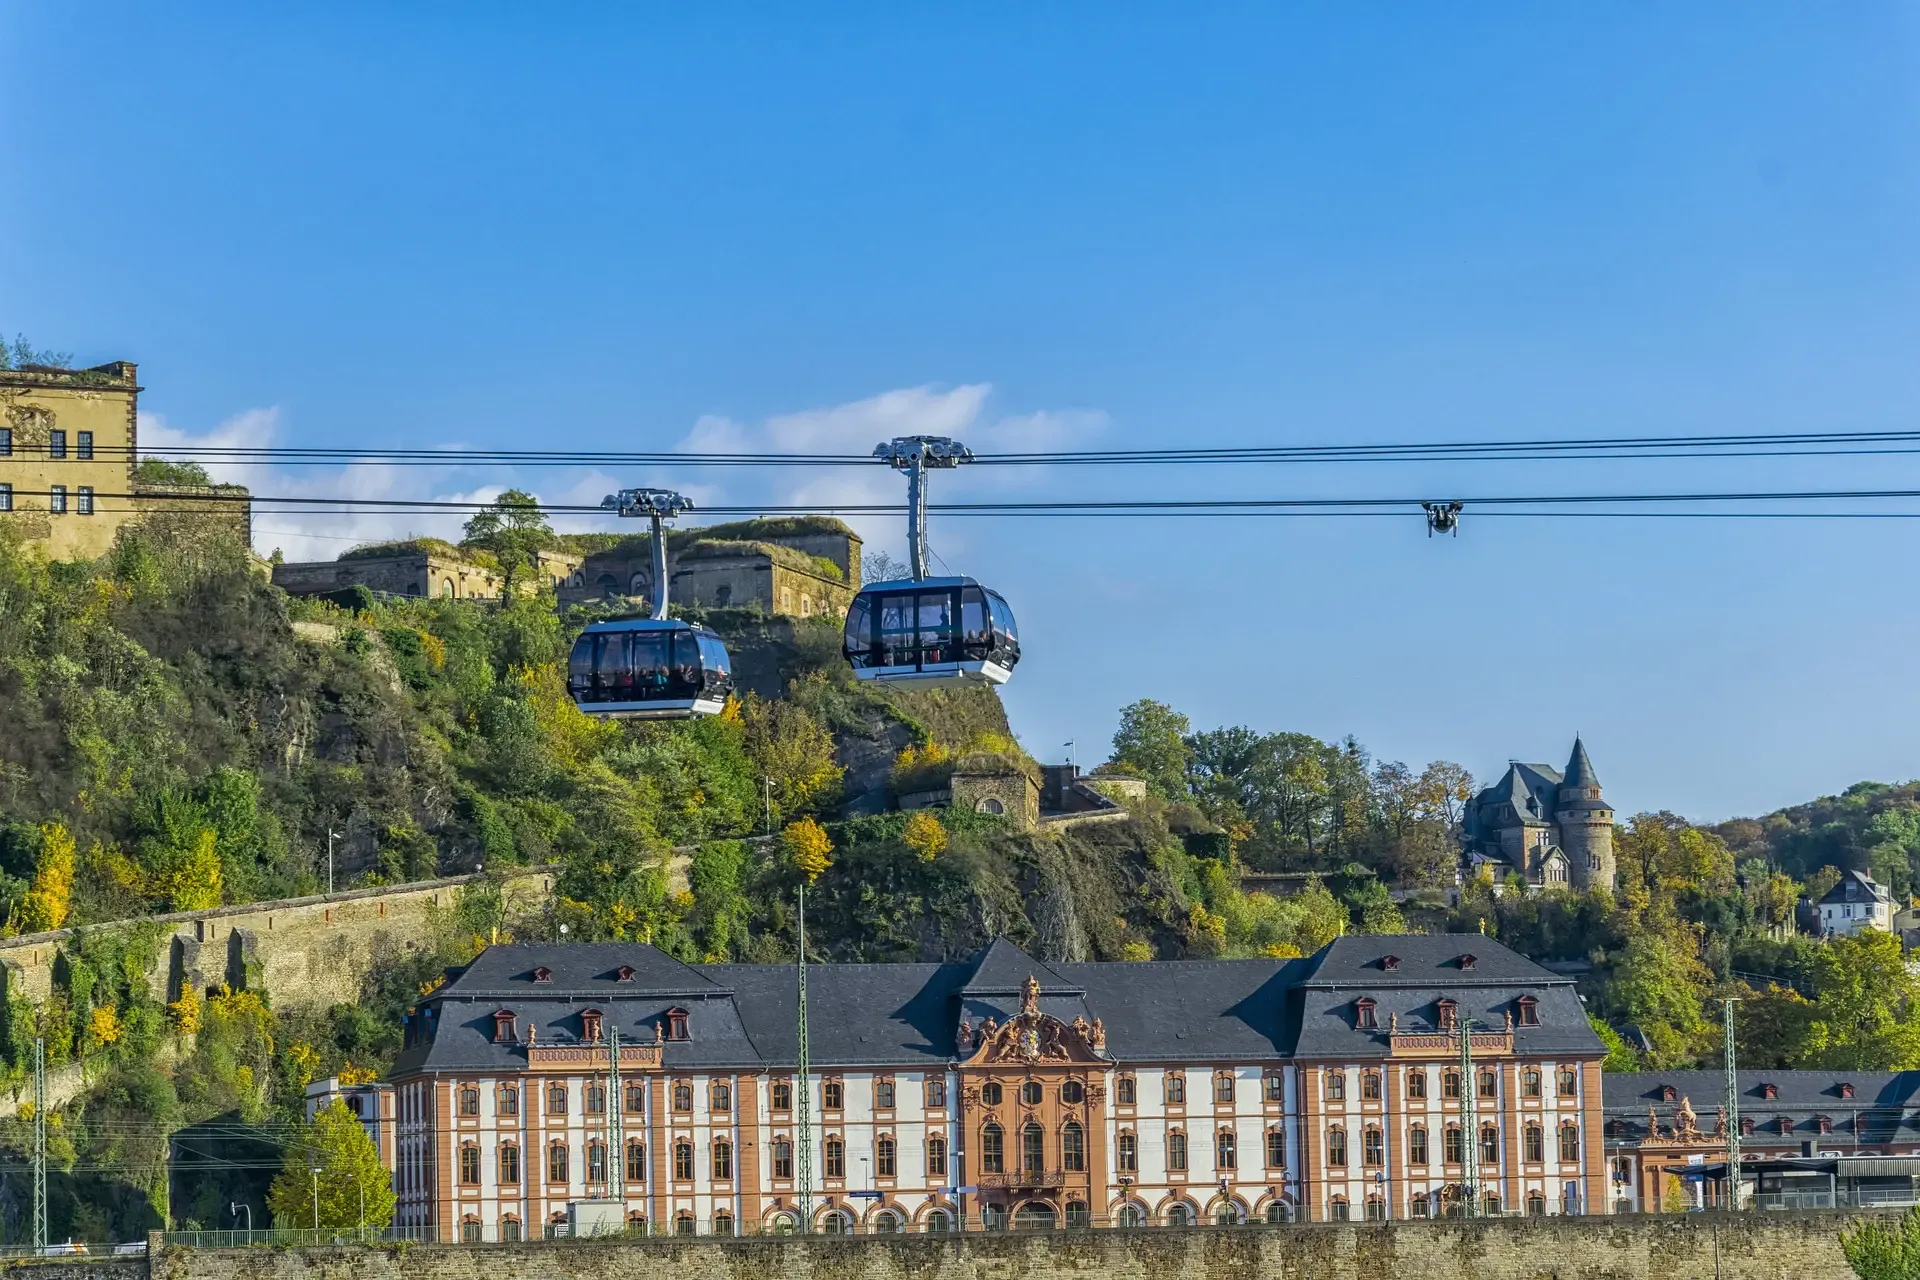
(659, 506)
(913, 455)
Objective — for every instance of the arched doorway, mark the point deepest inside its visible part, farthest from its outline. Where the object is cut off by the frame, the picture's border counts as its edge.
(1035, 1215)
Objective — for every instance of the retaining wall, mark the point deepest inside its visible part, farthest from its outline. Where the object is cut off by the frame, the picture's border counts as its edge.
(1654, 1247)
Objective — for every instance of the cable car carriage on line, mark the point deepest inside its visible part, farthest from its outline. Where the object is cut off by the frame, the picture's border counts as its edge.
(929, 632)
(649, 669)
(934, 632)
(655, 668)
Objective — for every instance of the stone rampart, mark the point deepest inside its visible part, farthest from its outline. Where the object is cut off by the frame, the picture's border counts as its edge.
(1654, 1247)
(309, 952)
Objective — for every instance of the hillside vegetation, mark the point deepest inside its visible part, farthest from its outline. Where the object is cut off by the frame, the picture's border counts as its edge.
(182, 734)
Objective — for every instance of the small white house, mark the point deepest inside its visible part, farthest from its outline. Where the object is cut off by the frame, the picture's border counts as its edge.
(1856, 903)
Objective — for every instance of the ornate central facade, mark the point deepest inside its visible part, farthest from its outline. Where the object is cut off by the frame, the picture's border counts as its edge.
(996, 1091)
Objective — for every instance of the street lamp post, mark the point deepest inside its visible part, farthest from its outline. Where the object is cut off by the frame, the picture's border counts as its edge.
(332, 835)
(315, 1171)
(234, 1207)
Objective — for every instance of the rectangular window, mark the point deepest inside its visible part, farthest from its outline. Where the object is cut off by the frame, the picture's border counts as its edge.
(6, 442)
(6, 497)
(936, 1157)
(1177, 1152)
(1416, 1084)
(1129, 1153)
(1176, 1091)
(57, 500)
(1275, 1088)
(1417, 1145)
(57, 448)
(936, 1093)
(1223, 1087)
(833, 1095)
(782, 1095)
(1124, 1091)
(1276, 1149)
(783, 1160)
(83, 445)
(883, 1095)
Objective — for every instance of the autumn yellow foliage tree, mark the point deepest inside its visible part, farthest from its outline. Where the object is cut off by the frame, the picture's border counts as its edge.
(571, 735)
(49, 901)
(195, 882)
(103, 1026)
(807, 846)
(924, 835)
(184, 1013)
(794, 750)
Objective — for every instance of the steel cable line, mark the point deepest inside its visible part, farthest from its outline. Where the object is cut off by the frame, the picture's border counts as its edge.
(1545, 504)
(1778, 444)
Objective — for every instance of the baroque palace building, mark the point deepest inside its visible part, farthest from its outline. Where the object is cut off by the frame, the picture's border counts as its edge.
(995, 1091)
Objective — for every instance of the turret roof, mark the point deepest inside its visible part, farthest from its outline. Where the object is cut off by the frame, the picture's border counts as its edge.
(1580, 769)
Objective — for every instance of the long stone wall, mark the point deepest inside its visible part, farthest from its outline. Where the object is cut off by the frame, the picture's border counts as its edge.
(305, 951)
(1678, 1247)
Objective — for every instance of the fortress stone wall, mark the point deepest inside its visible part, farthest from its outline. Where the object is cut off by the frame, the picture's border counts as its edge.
(308, 952)
(1757, 1246)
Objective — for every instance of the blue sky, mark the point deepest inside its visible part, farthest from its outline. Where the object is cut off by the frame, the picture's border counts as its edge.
(642, 227)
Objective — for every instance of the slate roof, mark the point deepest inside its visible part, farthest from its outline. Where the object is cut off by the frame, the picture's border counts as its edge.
(1485, 980)
(906, 1015)
(1580, 769)
(1531, 789)
(1856, 886)
(1885, 1105)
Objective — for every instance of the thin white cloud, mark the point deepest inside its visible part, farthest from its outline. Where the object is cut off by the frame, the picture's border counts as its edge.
(853, 428)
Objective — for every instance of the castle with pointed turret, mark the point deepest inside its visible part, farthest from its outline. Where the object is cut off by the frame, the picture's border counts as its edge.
(1550, 827)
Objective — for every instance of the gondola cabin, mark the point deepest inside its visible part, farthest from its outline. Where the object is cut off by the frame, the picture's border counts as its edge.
(930, 633)
(649, 669)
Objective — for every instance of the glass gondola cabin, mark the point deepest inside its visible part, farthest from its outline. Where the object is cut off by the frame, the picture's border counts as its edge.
(649, 669)
(931, 632)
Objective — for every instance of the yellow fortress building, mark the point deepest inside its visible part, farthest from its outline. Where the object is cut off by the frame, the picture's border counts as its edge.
(69, 441)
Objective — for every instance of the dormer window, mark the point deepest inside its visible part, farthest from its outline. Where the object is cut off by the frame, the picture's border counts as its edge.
(1468, 961)
(1389, 963)
(623, 974)
(1527, 1011)
(543, 975)
(590, 1025)
(1363, 1014)
(1846, 1090)
(1446, 1014)
(676, 1024)
(1746, 1126)
(1825, 1123)
(1668, 1093)
(1783, 1123)
(1769, 1091)
(503, 1026)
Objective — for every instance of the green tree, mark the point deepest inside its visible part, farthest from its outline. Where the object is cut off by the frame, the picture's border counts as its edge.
(20, 353)
(1772, 1027)
(513, 529)
(336, 1156)
(1619, 1056)
(1865, 998)
(1658, 984)
(1152, 742)
(1882, 1250)
(1323, 917)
